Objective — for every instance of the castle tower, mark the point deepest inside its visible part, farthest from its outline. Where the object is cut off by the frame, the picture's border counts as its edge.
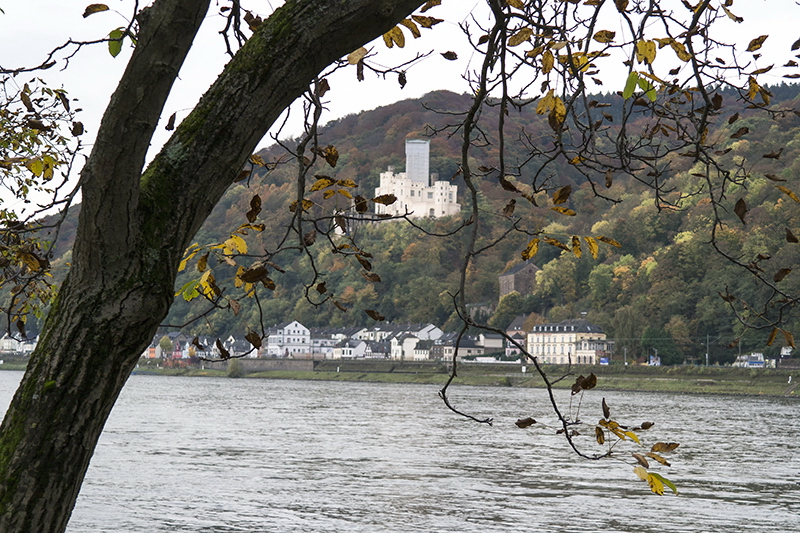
(417, 161)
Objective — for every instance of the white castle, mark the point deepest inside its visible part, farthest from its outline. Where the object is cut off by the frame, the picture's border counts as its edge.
(416, 191)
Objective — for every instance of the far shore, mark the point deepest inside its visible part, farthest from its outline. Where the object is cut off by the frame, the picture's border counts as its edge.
(775, 382)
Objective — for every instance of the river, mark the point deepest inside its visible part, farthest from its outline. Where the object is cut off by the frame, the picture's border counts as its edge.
(247, 455)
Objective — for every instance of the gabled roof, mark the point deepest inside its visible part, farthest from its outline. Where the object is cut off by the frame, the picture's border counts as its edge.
(516, 268)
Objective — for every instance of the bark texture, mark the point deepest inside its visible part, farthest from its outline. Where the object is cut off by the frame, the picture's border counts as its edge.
(134, 228)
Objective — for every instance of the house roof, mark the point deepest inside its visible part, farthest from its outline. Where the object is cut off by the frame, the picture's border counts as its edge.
(578, 325)
(517, 268)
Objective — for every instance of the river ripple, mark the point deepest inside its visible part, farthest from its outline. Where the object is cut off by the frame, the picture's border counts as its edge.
(223, 455)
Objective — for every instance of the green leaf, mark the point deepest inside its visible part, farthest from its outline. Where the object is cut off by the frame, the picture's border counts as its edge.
(648, 88)
(630, 85)
(115, 42)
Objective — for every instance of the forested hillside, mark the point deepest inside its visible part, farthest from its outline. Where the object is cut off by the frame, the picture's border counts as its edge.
(659, 290)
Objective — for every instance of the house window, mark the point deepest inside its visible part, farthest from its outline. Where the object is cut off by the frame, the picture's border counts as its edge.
(412, 192)
(430, 196)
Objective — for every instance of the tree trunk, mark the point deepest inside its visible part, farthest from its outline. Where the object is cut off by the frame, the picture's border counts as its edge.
(134, 228)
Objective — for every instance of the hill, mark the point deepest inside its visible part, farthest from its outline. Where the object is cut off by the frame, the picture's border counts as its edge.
(660, 290)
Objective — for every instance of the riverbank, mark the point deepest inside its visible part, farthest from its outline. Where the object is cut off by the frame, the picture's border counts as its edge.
(682, 379)
(780, 382)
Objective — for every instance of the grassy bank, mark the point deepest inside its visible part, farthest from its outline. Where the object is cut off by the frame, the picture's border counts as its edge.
(682, 379)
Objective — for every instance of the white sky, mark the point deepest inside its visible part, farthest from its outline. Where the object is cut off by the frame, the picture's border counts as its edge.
(30, 28)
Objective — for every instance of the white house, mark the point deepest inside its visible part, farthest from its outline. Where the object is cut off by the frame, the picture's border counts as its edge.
(289, 339)
(573, 341)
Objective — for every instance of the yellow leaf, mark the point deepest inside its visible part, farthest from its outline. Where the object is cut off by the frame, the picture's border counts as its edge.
(531, 249)
(395, 35)
(655, 484)
(788, 192)
(235, 243)
(633, 436)
(641, 472)
(576, 246)
(604, 36)
(756, 43)
(555, 242)
(665, 481)
(329, 193)
(516, 3)
(357, 55)
(547, 61)
(681, 51)
(520, 37)
(322, 183)
(36, 166)
(202, 263)
(564, 210)
(412, 27)
(558, 114)
(645, 52)
(345, 193)
(347, 183)
(609, 240)
(546, 103)
(593, 248)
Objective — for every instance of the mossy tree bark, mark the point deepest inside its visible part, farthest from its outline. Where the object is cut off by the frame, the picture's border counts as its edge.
(134, 227)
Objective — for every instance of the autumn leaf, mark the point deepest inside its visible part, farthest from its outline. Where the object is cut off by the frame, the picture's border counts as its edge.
(395, 35)
(788, 192)
(412, 27)
(756, 43)
(555, 242)
(594, 249)
(450, 56)
(563, 210)
(322, 183)
(357, 55)
(606, 410)
(94, 8)
(374, 315)
(576, 246)
(254, 339)
(609, 240)
(426, 22)
(170, 123)
(790, 237)
(562, 194)
(385, 199)
(740, 209)
(780, 274)
(255, 208)
(604, 36)
(660, 447)
(531, 249)
(525, 422)
(520, 37)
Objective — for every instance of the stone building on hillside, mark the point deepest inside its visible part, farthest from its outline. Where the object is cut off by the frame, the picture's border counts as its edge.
(520, 278)
(419, 193)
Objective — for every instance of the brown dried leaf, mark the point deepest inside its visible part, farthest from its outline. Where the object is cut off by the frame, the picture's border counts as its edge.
(790, 237)
(606, 410)
(562, 194)
(374, 315)
(780, 274)
(254, 339)
(740, 209)
(660, 447)
(525, 422)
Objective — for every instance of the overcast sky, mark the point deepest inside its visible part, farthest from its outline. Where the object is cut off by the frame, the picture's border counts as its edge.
(30, 28)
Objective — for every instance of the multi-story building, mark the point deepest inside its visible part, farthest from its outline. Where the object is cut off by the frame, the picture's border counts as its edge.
(419, 193)
(573, 341)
